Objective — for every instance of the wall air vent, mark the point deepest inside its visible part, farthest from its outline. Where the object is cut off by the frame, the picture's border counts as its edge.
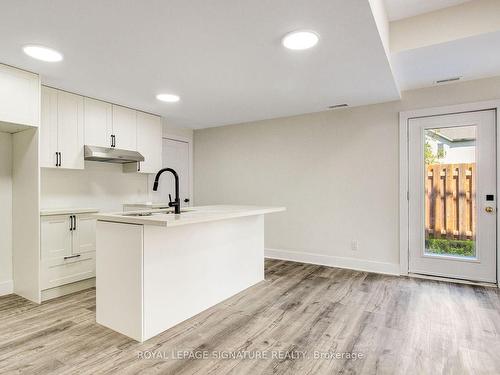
(338, 106)
(452, 79)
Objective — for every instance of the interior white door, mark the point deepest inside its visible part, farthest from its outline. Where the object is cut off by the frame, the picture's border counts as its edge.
(452, 196)
(175, 155)
(98, 122)
(55, 237)
(84, 234)
(125, 128)
(70, 130)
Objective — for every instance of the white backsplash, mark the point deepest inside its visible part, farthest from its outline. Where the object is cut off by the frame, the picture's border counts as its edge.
(100, 185)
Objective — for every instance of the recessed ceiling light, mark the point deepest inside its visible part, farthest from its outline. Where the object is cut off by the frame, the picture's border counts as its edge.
(301, 39)
(169, 98)
(42, 53)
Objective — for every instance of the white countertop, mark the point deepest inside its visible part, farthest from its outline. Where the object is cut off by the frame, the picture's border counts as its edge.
(65, 211)
(191, 215)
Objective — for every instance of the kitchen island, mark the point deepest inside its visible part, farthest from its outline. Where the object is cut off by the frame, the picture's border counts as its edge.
(155, 269)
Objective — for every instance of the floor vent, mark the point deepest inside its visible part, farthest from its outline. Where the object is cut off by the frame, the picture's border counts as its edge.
(338, 106)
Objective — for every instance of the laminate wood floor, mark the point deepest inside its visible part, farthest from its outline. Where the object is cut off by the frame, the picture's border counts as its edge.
(297, 321)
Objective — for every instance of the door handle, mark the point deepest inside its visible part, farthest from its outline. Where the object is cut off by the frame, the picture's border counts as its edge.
(489, 209)
(72, 256)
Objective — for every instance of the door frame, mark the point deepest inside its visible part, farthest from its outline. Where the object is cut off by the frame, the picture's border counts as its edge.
(189, 141)
(404, 118)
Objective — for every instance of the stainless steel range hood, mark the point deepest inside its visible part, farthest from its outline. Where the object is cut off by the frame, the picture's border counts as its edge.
(111, 155)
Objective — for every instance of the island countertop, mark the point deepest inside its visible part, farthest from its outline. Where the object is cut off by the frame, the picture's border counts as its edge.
(189, 215)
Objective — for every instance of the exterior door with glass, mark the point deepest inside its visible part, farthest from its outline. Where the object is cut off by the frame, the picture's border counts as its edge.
(452, 196)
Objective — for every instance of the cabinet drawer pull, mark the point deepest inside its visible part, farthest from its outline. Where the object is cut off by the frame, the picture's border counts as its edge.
(72, 256)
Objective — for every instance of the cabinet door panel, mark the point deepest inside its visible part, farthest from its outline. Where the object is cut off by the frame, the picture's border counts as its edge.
(98, 122)
(19, 96)
(56, 273)
(55, 237)
(125, 127)
(48, 128)
(149, 137)
(84, 235)
(70, 129)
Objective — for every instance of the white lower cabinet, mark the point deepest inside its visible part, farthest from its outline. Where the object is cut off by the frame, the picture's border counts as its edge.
(67, 249)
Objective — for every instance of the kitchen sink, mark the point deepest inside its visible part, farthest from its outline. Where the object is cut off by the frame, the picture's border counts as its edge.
(147, 213)
(138, 214)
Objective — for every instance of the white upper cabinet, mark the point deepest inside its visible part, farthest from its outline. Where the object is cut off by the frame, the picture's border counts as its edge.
(124, 128)
(70, 130)
(19, 96)
(149, 144)
(48, 128)
(98, 123)
(70, 121)
(61, 130)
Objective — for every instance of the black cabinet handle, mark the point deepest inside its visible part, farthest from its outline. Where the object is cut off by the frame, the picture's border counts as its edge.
(58, 159)
(74, 222)
(113, 140)
(72, 256)
(71, 222)
(186, 200)
(138, 166)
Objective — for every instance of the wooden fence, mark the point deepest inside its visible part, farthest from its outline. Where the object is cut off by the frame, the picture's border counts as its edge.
(450, 195)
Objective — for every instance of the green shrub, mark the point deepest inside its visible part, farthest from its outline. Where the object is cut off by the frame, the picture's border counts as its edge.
(452, 247)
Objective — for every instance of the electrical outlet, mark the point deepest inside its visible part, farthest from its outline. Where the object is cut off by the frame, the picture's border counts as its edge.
(354, 245)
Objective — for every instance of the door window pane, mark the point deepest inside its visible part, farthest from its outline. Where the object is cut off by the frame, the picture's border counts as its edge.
(450, 193)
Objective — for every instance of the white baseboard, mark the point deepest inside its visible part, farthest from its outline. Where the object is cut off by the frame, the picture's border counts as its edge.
(334, 261)
(6, 287)
(62, 290)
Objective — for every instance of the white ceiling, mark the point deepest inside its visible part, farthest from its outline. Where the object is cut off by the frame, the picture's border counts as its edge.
(224, 57)
(399, 9)
(471, 58)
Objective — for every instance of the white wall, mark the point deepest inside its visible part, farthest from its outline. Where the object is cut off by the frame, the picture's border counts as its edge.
(169, 130)
(5, 213)
(335, 171)
(99, 185)
(444, 25)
